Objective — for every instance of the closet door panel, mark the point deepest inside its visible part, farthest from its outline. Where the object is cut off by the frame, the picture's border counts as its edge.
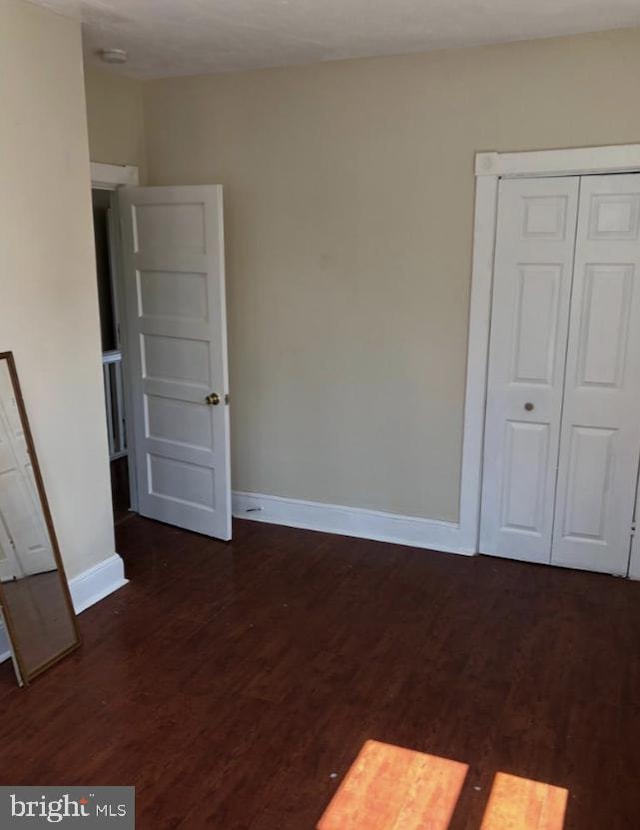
(529, 325)
(600, 435)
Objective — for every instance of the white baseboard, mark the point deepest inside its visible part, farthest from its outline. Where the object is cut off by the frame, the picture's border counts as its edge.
(351, 521)
(96, 583)
(86, 589)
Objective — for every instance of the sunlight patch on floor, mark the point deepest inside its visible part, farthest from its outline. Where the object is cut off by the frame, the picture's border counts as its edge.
(521, 804)
(392, 788)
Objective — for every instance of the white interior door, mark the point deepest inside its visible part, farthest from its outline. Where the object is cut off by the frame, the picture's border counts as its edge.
(173, 253)
(25, 547)
(600, 438)
(529, 325)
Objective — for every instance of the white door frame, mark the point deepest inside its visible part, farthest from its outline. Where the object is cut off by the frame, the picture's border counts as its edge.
(489, 169)
(111, 177)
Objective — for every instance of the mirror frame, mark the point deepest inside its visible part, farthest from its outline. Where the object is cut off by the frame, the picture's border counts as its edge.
(27, 676)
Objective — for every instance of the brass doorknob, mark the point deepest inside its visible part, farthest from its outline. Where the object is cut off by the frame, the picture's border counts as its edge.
(213, 399)
(529, 407)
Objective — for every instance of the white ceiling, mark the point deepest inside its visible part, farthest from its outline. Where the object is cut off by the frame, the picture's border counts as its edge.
(188, 37)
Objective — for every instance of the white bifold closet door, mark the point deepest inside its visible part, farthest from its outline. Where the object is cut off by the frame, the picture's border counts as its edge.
(529, 325)
(600, 436)
(562, 432)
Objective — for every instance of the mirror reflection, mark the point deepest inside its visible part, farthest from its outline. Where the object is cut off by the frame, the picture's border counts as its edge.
(35, 599)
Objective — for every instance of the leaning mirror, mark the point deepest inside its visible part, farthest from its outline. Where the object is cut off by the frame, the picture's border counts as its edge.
(35, 599)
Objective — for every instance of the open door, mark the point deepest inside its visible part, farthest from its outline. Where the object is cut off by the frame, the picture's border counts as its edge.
(176, 348)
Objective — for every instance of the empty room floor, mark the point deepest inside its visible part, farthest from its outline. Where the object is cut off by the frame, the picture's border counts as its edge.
(234, 684)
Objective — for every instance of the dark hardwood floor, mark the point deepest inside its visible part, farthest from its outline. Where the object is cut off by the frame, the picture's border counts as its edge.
(230, 682)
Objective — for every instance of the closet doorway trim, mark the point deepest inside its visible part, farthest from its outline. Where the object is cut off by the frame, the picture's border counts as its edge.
(490, 167)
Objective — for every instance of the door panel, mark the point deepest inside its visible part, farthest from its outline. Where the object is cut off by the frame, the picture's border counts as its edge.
(527, 448)
(179, 422)
(529, 325)
(604, 325)
(536, 325)
(600, 437)
(170, 295)
(591, 456)
(177, 354)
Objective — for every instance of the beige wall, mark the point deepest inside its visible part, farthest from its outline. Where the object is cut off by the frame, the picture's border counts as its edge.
(349, 204)
(349, 191)
(48, 295)
(114, 115)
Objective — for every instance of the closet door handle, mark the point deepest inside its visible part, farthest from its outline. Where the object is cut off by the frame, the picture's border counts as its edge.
(529, 406)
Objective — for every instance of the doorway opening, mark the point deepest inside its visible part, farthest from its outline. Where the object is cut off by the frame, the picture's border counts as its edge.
(106, 236)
